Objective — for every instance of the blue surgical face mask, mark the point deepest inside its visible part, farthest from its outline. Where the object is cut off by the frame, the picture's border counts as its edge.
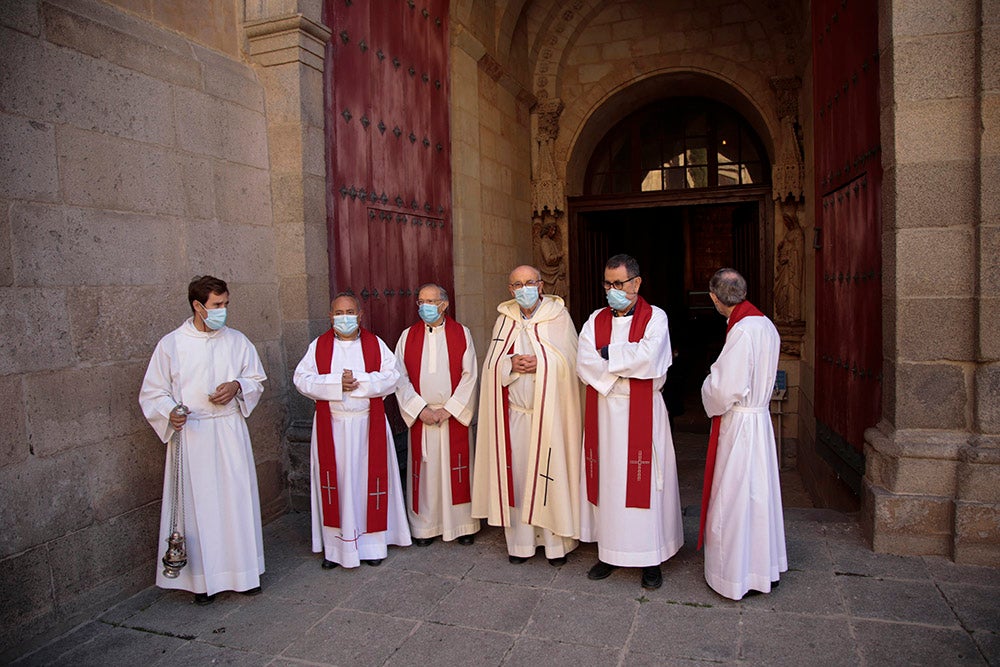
(215, 318)
(428, 312)
(526, 296)
(618, 299)
(345, 325)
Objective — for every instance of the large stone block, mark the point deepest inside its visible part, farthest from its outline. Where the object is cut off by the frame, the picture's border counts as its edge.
(989, 323)
(979, 475)
(26, 582)
(62, 415)
(948, 336)
(13, 436)
(236, 253)
(89, 246)
(31, 489)
(907, 524)
(267, 428)
(254, 310)
(28, 168)
(21, 15)
(117, 37)
(934, 66)
(930, 18)
(935, 194)
(209, 126)
(936, 130)
(932, 396)
(949, 251)
(988, 398)
(103, 323)
(6, 260)
(989, 248)
(107, 552)
(125, 473)
(101, 171)
(78, 90)
(230, 79)
(242, 194)
(214, 23)
(36, 330)
(977, 533)
(271, 485)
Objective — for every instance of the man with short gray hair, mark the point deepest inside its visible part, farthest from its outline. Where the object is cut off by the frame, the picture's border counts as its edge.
(741, 518)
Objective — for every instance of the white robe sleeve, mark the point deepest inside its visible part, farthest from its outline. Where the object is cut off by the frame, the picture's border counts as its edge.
(381, 382)
(155, 396)
(312, 384)
(410, 402)
(645, 359)
(251, 378)
(728, 382)
(462, 403)
(591, 367)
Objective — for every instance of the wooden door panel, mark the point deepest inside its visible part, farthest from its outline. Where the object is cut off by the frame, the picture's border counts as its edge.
(388, 147)
(848, 235)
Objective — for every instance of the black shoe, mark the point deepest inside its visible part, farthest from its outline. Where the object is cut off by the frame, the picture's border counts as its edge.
(252, 591)
(601, 570)
(327, 564)
(557, 562)
(423, 541)
(467, 539)
(517, 560)
(652, 578)
(202, 599)
(374, 562)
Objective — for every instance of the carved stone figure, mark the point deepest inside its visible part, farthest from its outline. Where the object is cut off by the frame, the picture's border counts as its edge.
(553, 259)
(788, 268)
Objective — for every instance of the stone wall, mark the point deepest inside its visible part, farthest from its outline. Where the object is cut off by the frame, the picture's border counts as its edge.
(933, 463)
(132, 158)
(491, 177)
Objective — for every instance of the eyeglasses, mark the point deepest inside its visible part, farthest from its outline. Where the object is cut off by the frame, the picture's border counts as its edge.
(527, 283)
(433, 302)
(618, 284)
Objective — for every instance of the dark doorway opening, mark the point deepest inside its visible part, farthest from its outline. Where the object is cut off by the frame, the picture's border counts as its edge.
(678, 248)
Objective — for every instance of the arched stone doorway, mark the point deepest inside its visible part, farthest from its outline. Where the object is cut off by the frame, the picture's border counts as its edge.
(683, 183)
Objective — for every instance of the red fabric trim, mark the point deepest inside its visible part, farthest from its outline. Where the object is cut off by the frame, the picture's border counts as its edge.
(742, 309)
(330, 496)
(458, 433)
(378, 464)
(640, 414)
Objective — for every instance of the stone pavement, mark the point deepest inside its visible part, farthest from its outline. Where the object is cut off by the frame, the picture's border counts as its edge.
(448, 604)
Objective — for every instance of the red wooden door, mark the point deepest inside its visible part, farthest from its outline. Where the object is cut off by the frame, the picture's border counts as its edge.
(388, 153)
(848, 234)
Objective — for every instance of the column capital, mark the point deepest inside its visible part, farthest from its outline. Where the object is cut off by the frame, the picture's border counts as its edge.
(286, 39)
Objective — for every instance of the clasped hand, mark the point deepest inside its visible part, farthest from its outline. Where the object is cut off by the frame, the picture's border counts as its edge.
(432, 416)
(347, 382)
(523, 363)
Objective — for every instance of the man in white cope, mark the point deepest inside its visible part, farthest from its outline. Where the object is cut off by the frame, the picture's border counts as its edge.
(632, 507)
(215, 372)
(437, 395)
(357, 497)
(741, 519)
(527, 477)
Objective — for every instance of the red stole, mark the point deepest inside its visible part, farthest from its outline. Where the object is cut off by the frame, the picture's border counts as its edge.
(640, 417)
(378, 473)
(458, 433)
(742, 309)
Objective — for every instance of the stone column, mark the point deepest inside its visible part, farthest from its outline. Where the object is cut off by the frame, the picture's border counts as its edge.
(287, 42)
(548, 200)
(931, 479)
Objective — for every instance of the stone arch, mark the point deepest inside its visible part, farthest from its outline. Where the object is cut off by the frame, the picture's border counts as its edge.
(585, 121)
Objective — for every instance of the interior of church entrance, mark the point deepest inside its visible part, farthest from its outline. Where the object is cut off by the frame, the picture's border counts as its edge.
(678, 249)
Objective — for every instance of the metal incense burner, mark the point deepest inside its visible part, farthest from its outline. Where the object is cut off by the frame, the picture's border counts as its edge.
(176, 556)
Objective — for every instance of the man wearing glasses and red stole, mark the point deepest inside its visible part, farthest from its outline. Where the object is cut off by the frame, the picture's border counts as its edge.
(437, 399)
(632, 505)
(527, 472)
(741, 520)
